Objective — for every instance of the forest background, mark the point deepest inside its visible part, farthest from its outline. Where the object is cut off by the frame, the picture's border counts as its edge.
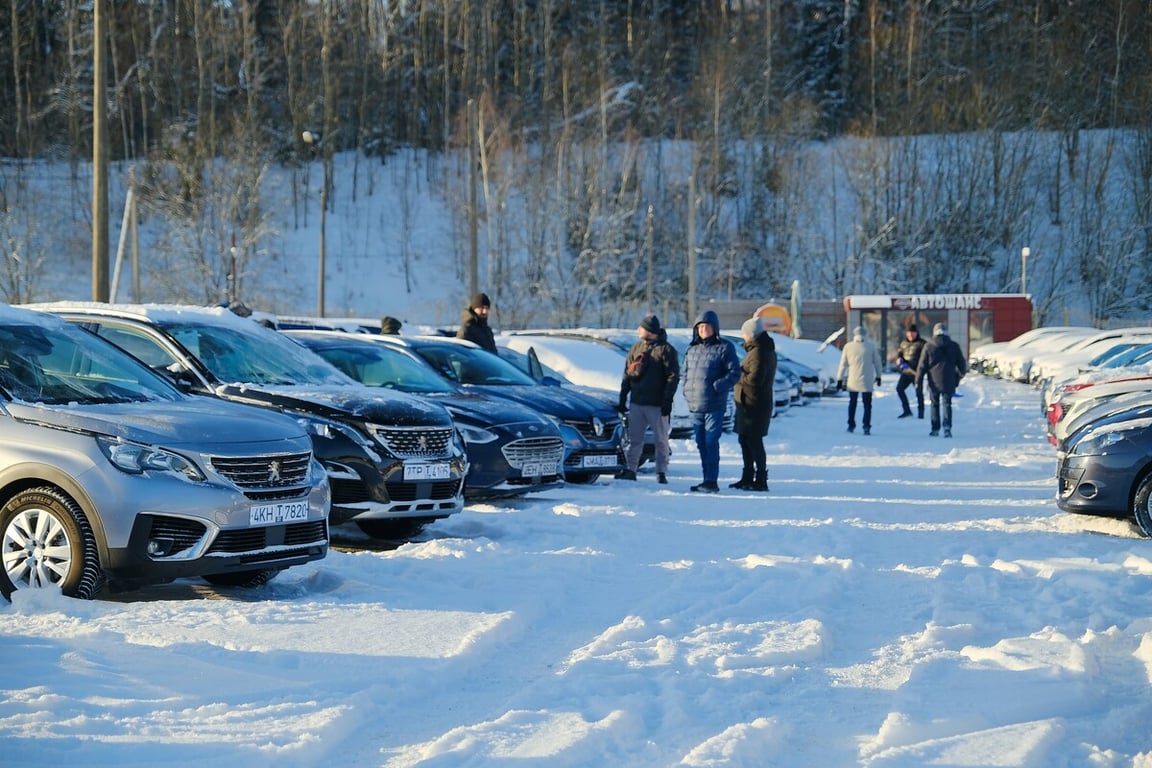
(589, 158)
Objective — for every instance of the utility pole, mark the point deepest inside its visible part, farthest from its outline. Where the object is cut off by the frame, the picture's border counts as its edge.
(473, 214)
(99, 160)
(692, 245)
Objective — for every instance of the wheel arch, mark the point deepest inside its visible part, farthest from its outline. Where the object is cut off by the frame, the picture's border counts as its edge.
(18, 478)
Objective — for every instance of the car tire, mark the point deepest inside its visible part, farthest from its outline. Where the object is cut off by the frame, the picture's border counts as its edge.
(392, 530)
(246, 579)
(46, 542)
(1142, 505)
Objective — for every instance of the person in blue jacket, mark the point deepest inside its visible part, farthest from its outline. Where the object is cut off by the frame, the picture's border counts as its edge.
(711, 369)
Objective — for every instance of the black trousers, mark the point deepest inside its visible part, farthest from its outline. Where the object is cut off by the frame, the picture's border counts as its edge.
(866, 397)
(903, 384)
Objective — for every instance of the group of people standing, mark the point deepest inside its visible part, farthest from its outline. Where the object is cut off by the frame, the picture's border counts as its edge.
(938, 361)
(710, 373)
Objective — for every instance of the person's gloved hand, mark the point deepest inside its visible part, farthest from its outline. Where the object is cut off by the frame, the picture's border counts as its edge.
(622, 406)
(666, 409)
(840, 386)
(877, 381)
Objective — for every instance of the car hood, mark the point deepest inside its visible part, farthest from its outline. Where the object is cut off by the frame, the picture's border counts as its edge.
(193, 421)
(554, 401)
(489, 410)
(362, 403)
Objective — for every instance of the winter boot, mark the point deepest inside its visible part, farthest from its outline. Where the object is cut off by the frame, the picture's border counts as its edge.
(745, 481)
(761, 481)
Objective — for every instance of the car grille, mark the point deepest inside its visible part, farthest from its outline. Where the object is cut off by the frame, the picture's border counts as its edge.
(531, 450)
(438, 491)
(415, 442)
(348, 491)
(256, 539)
(587, 427)
(264, 472)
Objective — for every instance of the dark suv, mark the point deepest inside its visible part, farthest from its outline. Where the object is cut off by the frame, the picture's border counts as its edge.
(111, 475)
(395, 462)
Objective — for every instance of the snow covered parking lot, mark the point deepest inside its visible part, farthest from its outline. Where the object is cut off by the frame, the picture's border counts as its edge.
(895, 600)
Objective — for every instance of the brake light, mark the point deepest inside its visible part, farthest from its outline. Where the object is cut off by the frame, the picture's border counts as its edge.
(1055, 412)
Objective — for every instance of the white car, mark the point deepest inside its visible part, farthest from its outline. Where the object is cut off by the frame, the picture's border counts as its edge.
(985, 359)
(1067, 362)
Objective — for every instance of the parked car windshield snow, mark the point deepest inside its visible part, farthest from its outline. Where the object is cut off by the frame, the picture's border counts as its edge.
(72, 367)
(237, 354)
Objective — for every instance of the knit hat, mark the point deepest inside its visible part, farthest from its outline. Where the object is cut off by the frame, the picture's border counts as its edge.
(480, 300)
(913, 328)
(650, 323)
(939, 329)
(859, 333)
(751, 328)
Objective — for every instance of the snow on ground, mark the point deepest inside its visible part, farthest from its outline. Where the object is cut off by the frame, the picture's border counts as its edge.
(895, 601)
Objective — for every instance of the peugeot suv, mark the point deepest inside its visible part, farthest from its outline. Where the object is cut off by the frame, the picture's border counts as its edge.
(395, 462)
(112, 477)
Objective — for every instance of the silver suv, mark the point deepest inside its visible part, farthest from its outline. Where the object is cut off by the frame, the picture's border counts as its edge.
(109, 475)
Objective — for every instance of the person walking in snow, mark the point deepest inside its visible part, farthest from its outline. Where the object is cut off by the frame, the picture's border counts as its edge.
(859, 371)
(907, 361)
(651, 376)
(943, 364)
(754, 394)
(711, 368)
(474, 323)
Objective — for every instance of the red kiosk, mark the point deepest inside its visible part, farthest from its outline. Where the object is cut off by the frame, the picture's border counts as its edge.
(973, 319)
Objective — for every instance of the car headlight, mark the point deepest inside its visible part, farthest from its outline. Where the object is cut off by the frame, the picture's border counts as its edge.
(475, 434)
(136, 458)
(1094, 445)
(316, 426)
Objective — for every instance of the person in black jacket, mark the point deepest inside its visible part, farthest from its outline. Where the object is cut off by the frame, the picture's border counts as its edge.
(754, 394)
(474, 323)
(943, 364)
(651, 376)
(907, 361)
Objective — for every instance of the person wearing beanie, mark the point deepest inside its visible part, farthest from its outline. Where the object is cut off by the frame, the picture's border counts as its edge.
(859, 372)
(651, 376)
(754, 394)
(474, 323)
(710, 369)
(942, 363)
(907, 361)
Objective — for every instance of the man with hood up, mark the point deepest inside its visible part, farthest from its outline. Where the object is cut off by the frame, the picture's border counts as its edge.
(711, 369)
(943, 364)
(859, 371)
(474, 323)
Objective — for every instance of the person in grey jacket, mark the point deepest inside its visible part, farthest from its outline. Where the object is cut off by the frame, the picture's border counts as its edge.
(711, 368)
(943, 364)
(859, 372)
(651, 375)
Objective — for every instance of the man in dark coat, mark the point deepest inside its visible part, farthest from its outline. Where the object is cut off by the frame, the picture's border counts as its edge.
(651, 375)
(474, 323)
(943, 364)
(907, 361)
(754, 394)
(711, 368)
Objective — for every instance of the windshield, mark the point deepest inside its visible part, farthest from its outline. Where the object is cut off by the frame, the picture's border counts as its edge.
(59, 365)
(471, 365)
(256, 355)
(379, 366)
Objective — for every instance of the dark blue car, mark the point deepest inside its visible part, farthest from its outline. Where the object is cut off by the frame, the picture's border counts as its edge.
(511, 449)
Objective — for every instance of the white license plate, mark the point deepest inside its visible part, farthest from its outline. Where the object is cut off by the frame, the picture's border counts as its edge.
(594, 460)
(274, 514)
(439, 471)
(538, 469)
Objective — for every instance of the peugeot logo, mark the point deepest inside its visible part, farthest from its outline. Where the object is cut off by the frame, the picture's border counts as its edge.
(597, 426)
(422, 444)
(274, 472)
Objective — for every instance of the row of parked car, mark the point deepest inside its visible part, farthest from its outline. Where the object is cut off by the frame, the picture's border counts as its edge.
(146, 443)
(1096, 398)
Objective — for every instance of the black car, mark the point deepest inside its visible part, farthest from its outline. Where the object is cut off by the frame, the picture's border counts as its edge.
(511, 449)
(394, 462)
(1105, 468)
(591, 428)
